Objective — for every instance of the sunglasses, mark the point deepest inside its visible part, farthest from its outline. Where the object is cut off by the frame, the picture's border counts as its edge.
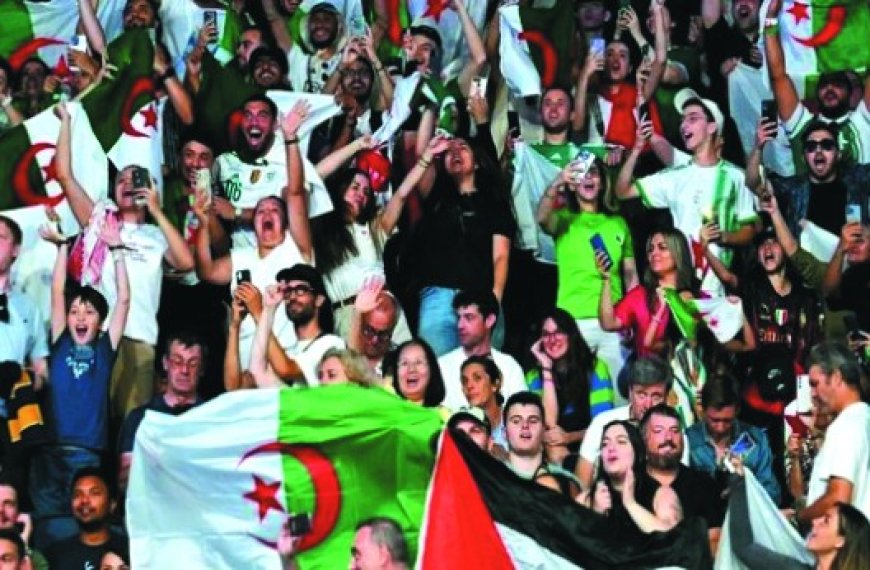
(824, 144)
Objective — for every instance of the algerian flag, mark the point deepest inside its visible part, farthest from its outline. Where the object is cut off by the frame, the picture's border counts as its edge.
(534, 45)
(440, 15)
(722, 315)
(820, 36)
(181, 23)
(29, 182)
(533, 173)
(818, 241)
(43, 29)
(214, 486)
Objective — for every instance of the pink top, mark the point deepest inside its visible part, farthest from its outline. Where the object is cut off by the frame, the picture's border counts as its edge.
(634, 314)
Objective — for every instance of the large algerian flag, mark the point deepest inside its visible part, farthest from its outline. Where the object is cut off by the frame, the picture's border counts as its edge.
(534, 46)
(43, 29)
(533, 173)
(819, 36)
(213, 487)
(480, 514)
(722, 315)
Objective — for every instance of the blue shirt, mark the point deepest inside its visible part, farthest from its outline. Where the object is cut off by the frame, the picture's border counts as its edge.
(702, 454)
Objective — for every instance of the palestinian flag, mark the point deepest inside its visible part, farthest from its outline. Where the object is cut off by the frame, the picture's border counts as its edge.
(214, 486)
(535, 45)
(41, 29)
(480, 514)
(820, 36)
(722, 315)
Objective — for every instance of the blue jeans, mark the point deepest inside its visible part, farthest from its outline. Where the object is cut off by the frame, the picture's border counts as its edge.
(51, 473)
(437, 324)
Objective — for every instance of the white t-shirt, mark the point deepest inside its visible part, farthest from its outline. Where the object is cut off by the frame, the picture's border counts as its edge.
(845, 454)
(263, 271)
(345, 281)
(307, 354)
(244, 184)
(591, 446)
(144, 262)
(309, 73)
(692, 192)
(450, 364)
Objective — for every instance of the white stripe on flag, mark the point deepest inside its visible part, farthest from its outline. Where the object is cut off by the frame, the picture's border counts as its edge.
(534, 173)
(517, 66)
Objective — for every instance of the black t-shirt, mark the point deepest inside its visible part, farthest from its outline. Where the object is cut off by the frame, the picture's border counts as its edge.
(723, 42)
(71, 554)
(454, 242)
(698, 494)
(134, 418)
(827, 207)
(854, 293)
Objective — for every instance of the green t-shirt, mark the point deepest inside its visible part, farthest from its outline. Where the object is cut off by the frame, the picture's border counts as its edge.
(579, 279)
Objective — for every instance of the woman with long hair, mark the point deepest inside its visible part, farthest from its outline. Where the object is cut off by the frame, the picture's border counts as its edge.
(463, 240)
(622, 477)
(342, 366)
(583, 227)
(574, 384)
(643, 311)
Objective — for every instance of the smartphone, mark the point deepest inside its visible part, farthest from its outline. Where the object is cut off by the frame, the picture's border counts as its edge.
(743, 446)
(478, 87)
(243, 276)
(597, 243)
(357, 27)
(804, 398)
(853, 213)
(141, 179)
(514, 121)
(203, 180)
(582, 163)
(768, 111)
(596, 46)
(299, 525)
(643, 111)
(798, 427)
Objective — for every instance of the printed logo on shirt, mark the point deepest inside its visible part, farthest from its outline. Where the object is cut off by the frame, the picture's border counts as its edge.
(255, 175)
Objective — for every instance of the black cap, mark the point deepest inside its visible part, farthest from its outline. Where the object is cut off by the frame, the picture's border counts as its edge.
(837, 78)
(471, 413)
(328, 7)
(269, 53)
(303, 272)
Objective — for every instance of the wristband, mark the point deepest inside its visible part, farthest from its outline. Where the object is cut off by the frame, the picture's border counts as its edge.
(771, 22)
(424, 163)
(291, 140)
(237, 213)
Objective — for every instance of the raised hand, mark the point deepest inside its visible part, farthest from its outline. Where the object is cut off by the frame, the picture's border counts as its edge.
(540, 354)
(291, 122)
(765, 132)
(274, 296)
(367, 297)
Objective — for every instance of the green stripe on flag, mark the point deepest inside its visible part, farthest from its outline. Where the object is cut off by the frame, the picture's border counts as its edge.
(685, 313)
(13, 145)
(16, 26)
(363, 433)
(849, 48)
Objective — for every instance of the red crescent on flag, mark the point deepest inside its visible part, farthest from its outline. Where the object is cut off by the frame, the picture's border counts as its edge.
(833, 25)
(27, 49)
(394, 27)
(140, 86)
(548, 74)
(327, 488)
(21, 181)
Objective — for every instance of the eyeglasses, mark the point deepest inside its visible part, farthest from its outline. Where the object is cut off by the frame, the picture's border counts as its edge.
(550, 335)
(824, 144)
(373, 333)
(297, 290)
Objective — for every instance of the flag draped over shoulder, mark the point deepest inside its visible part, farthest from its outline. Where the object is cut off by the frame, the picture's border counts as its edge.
(41, 29)
(722, 315)
(535, 46)
(480, 514)
(820, 36)
(213, 487)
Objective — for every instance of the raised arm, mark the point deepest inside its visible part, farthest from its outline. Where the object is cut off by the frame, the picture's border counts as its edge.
(217, 271)
(260, 369)
(382, 76)
(178, 254)
(783, 234)
(624, 189)
(336, 159)
(90, 25)
(367, 299)
(849, 236)
(708, 234)
(390, 216)
(178, 95)
(784, 91)
(79, 201)
(111, 234)
(594, 62)
(546, 215)
(233, 377)
(606, 317)
(661, 20)
(294, 193)
(58, 280)
(277, 25)
(476, 49)
(764, 133)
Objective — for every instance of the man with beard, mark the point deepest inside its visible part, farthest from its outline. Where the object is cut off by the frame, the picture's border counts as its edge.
(257, 168)
(665, 445)
(184, 364)
(523, 418)
(706, 191)
(268, 69)
(829, 185)
(727, 45)
(92, 506)
(833, 93)
(373, 323)
(307, 306)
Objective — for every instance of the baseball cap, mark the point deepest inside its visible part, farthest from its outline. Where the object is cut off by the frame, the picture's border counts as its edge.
(688, 95)
(303, 272)
(472, 413)
(324, 7)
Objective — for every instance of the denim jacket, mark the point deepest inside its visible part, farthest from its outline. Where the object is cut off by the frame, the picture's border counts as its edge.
(702, 454)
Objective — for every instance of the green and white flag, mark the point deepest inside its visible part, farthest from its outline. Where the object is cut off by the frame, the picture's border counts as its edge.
(213, 486)
(181, 23)
(533, 173)
(41, 29)
(722, 315)
(820, 36)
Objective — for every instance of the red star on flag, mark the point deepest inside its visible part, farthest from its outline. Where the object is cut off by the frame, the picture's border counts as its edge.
(434, 9)
(49, 171)
(150, 114)
(264, 495)
(799, 12)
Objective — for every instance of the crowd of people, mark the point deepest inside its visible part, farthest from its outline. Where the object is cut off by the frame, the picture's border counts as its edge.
(273, 252)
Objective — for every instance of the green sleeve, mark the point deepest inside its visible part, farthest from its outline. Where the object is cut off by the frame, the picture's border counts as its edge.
(811, 269)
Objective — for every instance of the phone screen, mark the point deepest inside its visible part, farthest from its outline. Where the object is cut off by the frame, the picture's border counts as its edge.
(243, 276)
(743, 445)
(597, 243)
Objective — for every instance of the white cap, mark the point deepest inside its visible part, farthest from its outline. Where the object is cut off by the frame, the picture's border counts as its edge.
(687, 94)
